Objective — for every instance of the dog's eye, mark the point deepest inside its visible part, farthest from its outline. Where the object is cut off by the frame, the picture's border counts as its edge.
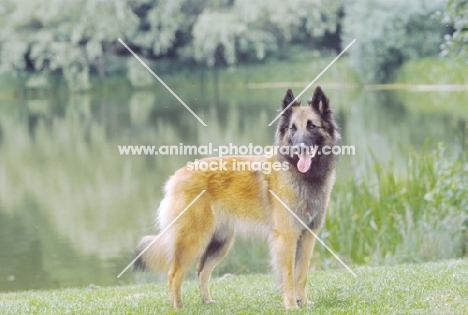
(293, 127)
(310, 125)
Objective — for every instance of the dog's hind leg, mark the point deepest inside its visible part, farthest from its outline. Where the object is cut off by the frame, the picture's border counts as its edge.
(184, 256)
(192, 235)
(217, 248)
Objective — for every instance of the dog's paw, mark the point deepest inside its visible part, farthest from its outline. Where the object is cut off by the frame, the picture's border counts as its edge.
(306, 304)
(210, 301)
(291, 308)
(292, 305)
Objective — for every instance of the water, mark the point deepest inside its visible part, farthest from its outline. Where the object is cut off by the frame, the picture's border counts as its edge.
(72, 208)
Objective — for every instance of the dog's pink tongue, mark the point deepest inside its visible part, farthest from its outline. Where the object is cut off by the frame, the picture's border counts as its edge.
(304, 163)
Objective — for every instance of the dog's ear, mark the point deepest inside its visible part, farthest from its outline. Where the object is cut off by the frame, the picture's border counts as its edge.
(289, 102)
(319, 102)
(286, 110)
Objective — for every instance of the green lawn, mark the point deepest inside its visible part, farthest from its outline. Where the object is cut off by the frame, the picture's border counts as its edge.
(431, 288)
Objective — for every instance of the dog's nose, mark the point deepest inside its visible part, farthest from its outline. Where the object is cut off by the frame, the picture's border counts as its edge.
(300, 145)
(300, 148)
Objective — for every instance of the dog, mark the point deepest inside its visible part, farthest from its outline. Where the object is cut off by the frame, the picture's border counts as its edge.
(239, 201)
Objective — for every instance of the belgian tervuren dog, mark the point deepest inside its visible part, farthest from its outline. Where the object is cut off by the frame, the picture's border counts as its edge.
(240, 201)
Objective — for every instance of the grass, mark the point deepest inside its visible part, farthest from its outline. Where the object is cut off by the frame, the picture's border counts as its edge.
(433, 70)
(431, 288)
(417, 215)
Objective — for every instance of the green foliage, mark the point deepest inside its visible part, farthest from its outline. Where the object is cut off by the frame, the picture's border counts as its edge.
(255, 29)
(389, 33)
(419, 216)
(79, 38)
(433, 288)
(456, 14)
(69, 37)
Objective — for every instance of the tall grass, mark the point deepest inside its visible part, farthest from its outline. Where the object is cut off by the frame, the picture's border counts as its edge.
(420, 215)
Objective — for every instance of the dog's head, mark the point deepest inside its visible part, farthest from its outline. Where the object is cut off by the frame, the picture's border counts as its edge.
(305, 130)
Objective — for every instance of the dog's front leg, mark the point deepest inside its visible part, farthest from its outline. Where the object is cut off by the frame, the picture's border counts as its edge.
(284, 251)
(304, 251)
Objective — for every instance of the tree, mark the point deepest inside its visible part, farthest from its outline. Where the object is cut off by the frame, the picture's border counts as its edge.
(258, 28)
(456, 14)
(79, 38)
(389, 32)
(71, 37)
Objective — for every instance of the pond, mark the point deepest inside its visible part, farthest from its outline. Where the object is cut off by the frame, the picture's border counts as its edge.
(72, 208)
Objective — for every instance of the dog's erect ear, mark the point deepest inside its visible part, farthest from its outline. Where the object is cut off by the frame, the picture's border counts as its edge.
(286, 111)
(320, 102)
(288, 99)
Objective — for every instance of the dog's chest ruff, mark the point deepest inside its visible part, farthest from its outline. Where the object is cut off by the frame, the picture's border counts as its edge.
(307, 201)
(309, 205)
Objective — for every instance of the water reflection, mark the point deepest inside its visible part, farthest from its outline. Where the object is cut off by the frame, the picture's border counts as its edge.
(72, 208)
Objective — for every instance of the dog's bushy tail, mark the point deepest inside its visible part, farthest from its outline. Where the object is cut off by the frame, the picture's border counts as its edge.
(155, 257)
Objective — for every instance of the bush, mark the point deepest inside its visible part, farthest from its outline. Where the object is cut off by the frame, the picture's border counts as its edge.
(456, 14)
(389, 33)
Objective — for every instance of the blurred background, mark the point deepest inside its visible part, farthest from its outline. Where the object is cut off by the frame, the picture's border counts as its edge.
(72, 208)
